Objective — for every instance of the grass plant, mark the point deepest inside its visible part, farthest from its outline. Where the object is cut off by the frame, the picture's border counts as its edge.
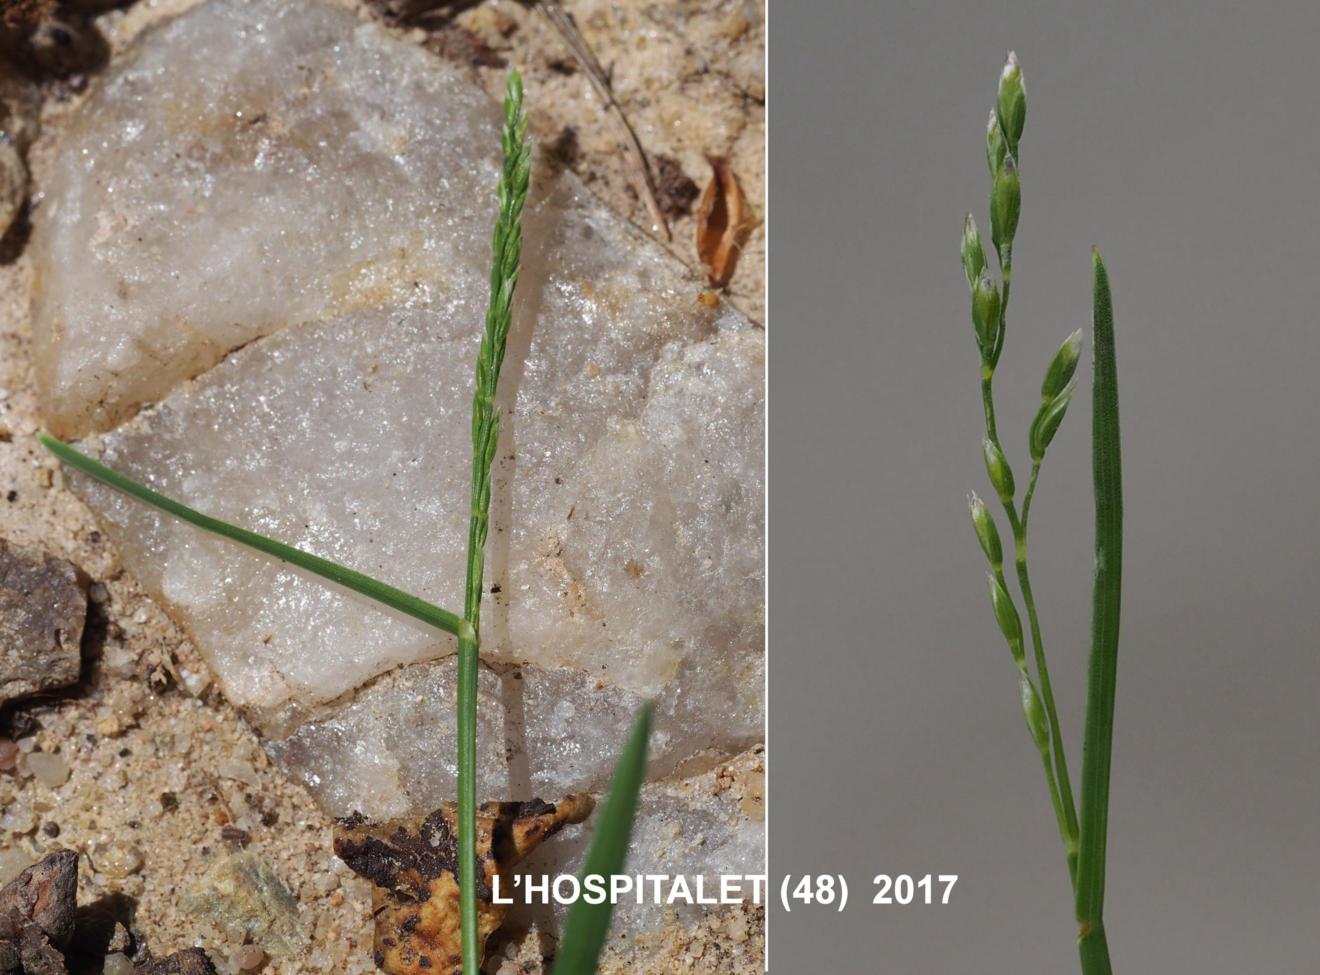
(1083, 834)
(588, 923)
(506, 253)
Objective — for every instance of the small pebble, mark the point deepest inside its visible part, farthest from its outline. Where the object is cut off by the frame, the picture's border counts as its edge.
(240, 771)
(249, 958)
(50, 770)
(117, 859)
(17, 817)
(326, 884)
(120, 939)
(8, 754)
(193, 681)
(117, 964)
(128, 701)
(119, 660)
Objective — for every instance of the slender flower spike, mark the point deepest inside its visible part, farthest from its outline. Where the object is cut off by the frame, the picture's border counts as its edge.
(1035, 714)
(1006, 615)
(1005, 204)
(1012, 103)
(973, 256)
(1062, 366)
(985, 312)
(506, 253)
(996, 465)
(995, 149)
(986, 532)
(1047, 421)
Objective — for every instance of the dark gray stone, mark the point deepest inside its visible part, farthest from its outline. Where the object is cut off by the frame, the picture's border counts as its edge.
(43, 606)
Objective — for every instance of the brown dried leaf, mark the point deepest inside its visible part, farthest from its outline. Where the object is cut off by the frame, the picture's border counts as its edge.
(723, 221)
(414, 864)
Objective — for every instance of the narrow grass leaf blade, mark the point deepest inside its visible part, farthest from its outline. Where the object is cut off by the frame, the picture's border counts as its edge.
(336, 573)
(1101, 679)
(589, 924)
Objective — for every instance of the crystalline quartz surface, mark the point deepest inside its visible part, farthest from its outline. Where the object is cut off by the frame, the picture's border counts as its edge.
(629, 557)
(252, 165)
(262, 274)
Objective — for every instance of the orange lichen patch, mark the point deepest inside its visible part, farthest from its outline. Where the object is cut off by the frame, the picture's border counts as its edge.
(414, 865)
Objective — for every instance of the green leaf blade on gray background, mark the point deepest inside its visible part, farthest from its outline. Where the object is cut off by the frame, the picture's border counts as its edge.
(1101, 682)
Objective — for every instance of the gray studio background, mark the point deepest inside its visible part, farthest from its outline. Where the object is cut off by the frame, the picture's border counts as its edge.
(1184, 140)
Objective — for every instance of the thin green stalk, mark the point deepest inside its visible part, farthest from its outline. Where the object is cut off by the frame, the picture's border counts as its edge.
(1056, 800)
(1102, 676)
(1006, 272)
(1067, 805)
(1033, 709)
(1031, 493)
(506, 253)
(1046, 688)
(1059, 780)
(404, 602)
(988, 401)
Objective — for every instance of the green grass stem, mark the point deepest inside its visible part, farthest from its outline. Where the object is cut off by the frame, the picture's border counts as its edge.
(506, 253)
(1084, 831)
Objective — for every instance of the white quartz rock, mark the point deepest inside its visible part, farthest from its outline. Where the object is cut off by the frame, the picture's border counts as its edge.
(391, 752)
(254, 164)
(632, 555)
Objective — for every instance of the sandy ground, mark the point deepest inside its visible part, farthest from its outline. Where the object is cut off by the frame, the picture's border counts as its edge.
(164, 777)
